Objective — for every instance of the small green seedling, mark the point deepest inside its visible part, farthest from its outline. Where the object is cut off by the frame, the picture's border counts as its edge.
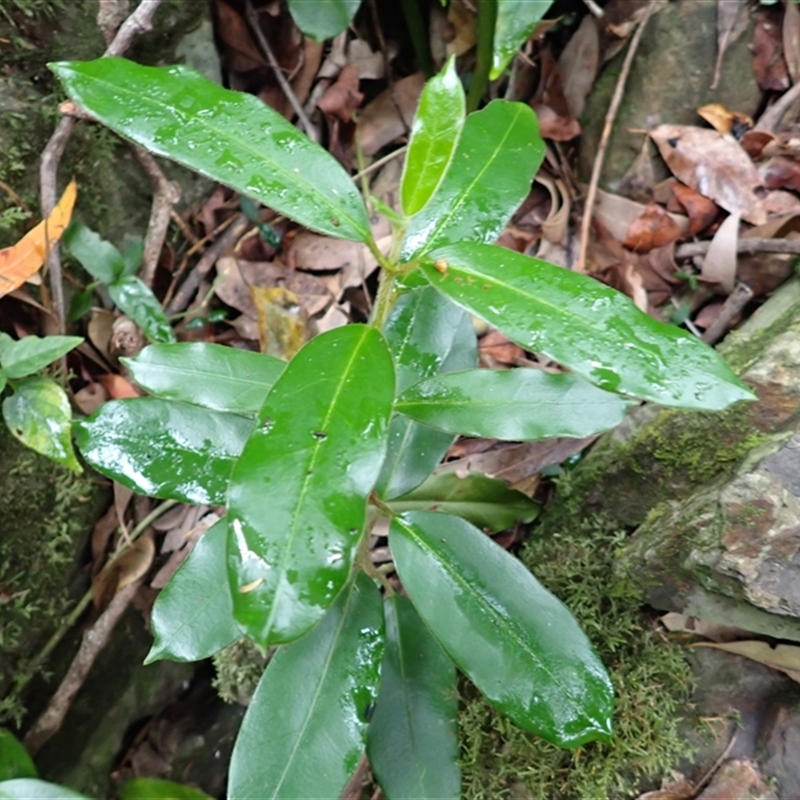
(306, 455)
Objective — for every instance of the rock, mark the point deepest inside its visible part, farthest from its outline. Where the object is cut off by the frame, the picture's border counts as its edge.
(779, 743)
(738, 779)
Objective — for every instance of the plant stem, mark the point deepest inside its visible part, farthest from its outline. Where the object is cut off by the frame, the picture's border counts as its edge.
(419, 35)
(387, 295)
(487, 17)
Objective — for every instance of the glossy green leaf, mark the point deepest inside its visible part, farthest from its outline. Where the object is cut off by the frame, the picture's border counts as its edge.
(232, 137)
(132, 253)
(516, 404)
(516, 21)
(297, 499)
(33, 789)
(303, 733)
(22, 357)
(193, 615)
(157, 789)
(39, 415)
(427, 334)
(133, 297)
(163, 448)
(411, 741)
(98, 257)
(14, 759)
(486, 502)
(587, 326)
(210, 375)
(323, 19)
(3, 380)
(498, 154)
(515, 641)
(434, 135)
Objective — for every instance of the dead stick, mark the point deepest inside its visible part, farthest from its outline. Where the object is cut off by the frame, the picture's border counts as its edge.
(308, 126)
(580, 265)
(92, 643)
(734, 303)
(138, 22)
(165, 195)
(772, 117)
(743, 247)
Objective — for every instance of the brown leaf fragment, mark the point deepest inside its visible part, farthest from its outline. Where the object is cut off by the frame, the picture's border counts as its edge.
(719, 264)
(791, 40)
(556, 122)
(617, 214)
(783, 657)
(769, 64)
(500, 349)
(714, 165)
(390, 114)
(738, 779)
(342, 99)
(578, 63)
(754, 143)
(123, 570)
(90, 398)
(700, 210)
(782, 173)
(654, 228)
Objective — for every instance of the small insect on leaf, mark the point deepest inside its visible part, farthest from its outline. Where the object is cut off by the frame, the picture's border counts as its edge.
(441, 266)
(249, 587)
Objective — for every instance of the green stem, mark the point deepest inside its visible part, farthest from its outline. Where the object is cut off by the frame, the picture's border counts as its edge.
(419, 35)
(25, 675)
(487, 17)
(387, 295)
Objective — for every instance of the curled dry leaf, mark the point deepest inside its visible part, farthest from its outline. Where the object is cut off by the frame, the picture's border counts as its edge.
(782, 173)
(754, 143)
(554, 228)
(769, 65)
(700, 210)
(719, 264)
(654, 228)
(617, 214)
(726, 121)
(716, 166)
(342, 99)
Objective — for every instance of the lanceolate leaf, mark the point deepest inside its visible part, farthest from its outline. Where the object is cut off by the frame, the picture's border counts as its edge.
(39, 415)
(193, 615)
(592, 329)
(34, 789)
(498, 154)
(152, 788)
(516, 21)
(411, 741)
(517, 643)
(297, 501)
(14, 759)
(22, 357)
(486, 502)
(512, 404)
(135, 299)
(163, 448)
(232, 137)
(434, 135)
(427, 334)
(98, 257)
(323, 20)
(302, 735)
(210, 375)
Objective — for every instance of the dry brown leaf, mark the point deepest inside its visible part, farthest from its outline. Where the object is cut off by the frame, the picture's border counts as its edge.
(783, 657)
(390, 114)
(680, 623)
(719, 117)
(118, 387)
(719, 264)
(738, 779)
(556, 121)
(764, 272)
(732, 21)
(282, 328)
(22, 260)
(754, 143)
(240, 51)
(714, 165)
(617, 214)
(769, 65)
(791, 40)
(123, 570)
(579, 63)
(554, 228)
(782, 173)
(460, 31)
(500, 349)
(638, 183)
(90, 398)
(342, 99)
(654, 228)
(700, 210)
(370, 64)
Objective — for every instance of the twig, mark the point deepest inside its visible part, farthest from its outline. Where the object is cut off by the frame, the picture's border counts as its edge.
(743, 247)
(734, 303)
(701, 784)
(379, 163)
(594, 9)
(184, 295)
(138, 22)
(92, 643)
(353, 788)
(308, 126)
(772, 117)
(580, 265)
(165, 195)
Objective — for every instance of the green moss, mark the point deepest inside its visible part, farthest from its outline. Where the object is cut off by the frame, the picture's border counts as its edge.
(46, 516)
(575, 559)
(239, 669)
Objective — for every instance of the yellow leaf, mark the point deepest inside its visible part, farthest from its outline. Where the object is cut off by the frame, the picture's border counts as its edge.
(20, 261)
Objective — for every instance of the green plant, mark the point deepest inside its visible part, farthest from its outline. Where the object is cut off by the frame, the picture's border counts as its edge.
(37, 411)
(306, 455)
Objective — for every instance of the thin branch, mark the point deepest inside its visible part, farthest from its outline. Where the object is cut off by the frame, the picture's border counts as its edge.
(772, 117)
(165, 195)
(743, 247)
(734, 303)
(140, 21)
(580, 265)
(308, 126)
